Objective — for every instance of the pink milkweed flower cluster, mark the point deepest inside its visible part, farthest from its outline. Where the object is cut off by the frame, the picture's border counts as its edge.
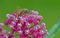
(27, 26)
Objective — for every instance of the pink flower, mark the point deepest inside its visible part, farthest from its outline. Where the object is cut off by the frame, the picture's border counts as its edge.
(10, 35)
(34, 12)
(25, 25)
(2, 32)
(2, 36)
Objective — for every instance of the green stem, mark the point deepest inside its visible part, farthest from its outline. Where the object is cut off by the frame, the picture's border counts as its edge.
(54, 29)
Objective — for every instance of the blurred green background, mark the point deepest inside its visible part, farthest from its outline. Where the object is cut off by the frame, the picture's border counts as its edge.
(49, 9)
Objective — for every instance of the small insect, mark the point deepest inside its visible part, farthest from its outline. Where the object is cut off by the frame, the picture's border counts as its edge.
(22, 12)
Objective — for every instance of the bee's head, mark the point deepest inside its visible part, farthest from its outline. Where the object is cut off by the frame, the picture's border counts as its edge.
(22, 12)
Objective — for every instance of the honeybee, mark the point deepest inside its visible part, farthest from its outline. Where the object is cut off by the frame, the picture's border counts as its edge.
(22, 12)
